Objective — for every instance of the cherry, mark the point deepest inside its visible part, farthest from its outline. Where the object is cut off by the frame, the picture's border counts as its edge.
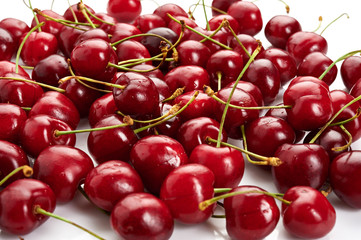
(67, 39)
(283, 61)
(223, 67)
(152, 43)
(38, 46)
(12, 118)
(302, 43)
(226, 163)
(101, 107)
(248, 16)
(191, 77)
(302, 165)
(38, 133)
(7, 45)
(155, 73)
(177, 28)
(17, 203)
(11, 157)
(344, 176)
(108, 21)
(250, 215)
(74, 9)
(171, 126)
(309, 215)
(279, 28)
(216, 21)
(9, 67)
(195, 131)
(122, 139)
(132, 50)
(50, 26)
(314, 64)
(250, 44)
(146, 22)
(95, 33)
(250, 88)
(162, 88)
(275, 131)
(169, 8)
(223, 37)
(191, 52)
(183, 190)
(111, 181)
(222, 5)
(350, 71)
(15, 27)
(124, 30)
(124, 10)
(63, 177)
(154, 157)
(142, 216)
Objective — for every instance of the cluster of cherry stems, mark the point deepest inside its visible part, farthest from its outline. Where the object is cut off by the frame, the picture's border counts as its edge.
(162, 96)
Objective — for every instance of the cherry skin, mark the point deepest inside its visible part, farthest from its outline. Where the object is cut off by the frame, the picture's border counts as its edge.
(195, 131)
(216, 21)
(155, 73)
(124, 30)
(250, 44)
(142, 216)
(57, 105)
(250, 88)
(226, 163)
(7, 45)
(154, 157)
(351, 71)
(124, 10)
(177, 28)
(9, 67)
(94, 33)
(15, 27)
(192, 52)
(279, 28)
(171, 126)
(132, 50)
(108, 28)
(11, 157)
(67, 39)
(12, 118)
(310, 214)
(221, 5)
(62, 177)
(248, 16)
(38, 133)
(122, 139)
(111, 181)
(302, 165)
(183, 190)
(17, 203)
(153, 43)
(345, 171)
(169, 8)
(162, 88)
(146, 22)
(68, 14)
(49, 26)
(250, 215)
(100, 108)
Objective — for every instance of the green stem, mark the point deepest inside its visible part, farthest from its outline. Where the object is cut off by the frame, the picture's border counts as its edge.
(34, 14)
(237, 39)
(97, 18)
(343, 14)
(58, 133)
(39, 210)
(319, 24)
(358, 112)
(81, 7)
(64, 79)
(38, 83)
(222, 190)
(205, 15)
(27, 171)
(337, 149)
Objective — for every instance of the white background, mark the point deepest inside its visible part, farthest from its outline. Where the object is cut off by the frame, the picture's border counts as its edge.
(344, 36)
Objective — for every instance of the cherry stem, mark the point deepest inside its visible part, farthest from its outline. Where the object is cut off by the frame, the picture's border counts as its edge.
(39, 210)
(22, 44)
(27, 171)
(226, 23)
(319, 23)
(343, 14)
(232, 91)
(64, 79)
(358, 112)
(26, 108)
(72, 12)
(197, 4)
(272, 161)
(245, 145)
(337, 149)
(81, 8)
(203, 205)
(169, 117)
(219, 81)
(286, 6)
(205, 15)
(222, 190)
(97, 18)
(38, 83)
(218, 216)
(338, 60)
(27, 67)
(35, 17)
(177, 93)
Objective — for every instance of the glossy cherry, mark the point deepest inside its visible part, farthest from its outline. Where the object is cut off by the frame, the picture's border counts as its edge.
(15, 27)
(351, 71)
(302, 165)
(12, 118)
(9, 67)
(124, 10)
(63, 168)
(153, 43)
(101, 107)
(309, 215)
(124, 30)
(154, 157)
(67, 39)
(250, 88)
(177, 28)
(94, 33)
(146, 22)
(250, 44)
(141, 216)
(68, 14)
(50, 26)
(171, 126)
(17, 203)
(132, 50)
(183, 190)
(192, 52)
(7, 45)
(169, 8)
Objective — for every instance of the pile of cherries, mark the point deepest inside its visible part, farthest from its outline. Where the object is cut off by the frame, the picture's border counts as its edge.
(163, 96)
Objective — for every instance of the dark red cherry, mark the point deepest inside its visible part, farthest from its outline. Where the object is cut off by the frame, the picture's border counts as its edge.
(195, 131)
(223, 37)
(111, 181)
(154, 157)
(17, 203)
(38, 133)
(183, 190)
(63, 168)
(309, 215)
(12, 118)
(250, 88)
(192, 52)
(146, 22)
(279, 28)
(314, 64)
(216, 21)
(345, 172)
(49, 26)
(132, 50)
(302, 165)
(171, 126)
(122, 139)
(38, 46)
(8, 45)
(250, 215)
(74, 9)
(162, 88)
(250, 44)
(67, 39)
(142, 216)
(153, 43)
(169, 8)
(101, 107)
(221, 5)
(302, 43)
(124, 10)
(94, 33)
(351, 71)
(177, 28)
(124, 30)
(248, 16)
(156, 73)
(226, 163)
(15, 27)
(11, 157)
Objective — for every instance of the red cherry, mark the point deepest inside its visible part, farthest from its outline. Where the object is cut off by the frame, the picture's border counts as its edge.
(100, 108)
(63, 177)
(67, 39)
(169, 8)
(351, 71)
(309, 215)
(94, 33)
(12, 118)
(111, 181)
(154, 157)
(183, 190)
(124, 10)
(15, 27)
(49, 26)
(153, 43)
(216, 21)
(221, 5)
(191, 52)
(17, 203)
(162, 88)
(7, 45)
(250, 88)
(74, 9)
(177, 28)
(250, 44)
(146, 22)
(141, 216)
(124, 30)
(9, 67)
(108, 28)
(132, 50)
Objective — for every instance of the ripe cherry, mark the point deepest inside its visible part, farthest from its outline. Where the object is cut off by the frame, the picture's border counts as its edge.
(169, 8)
(124, 10)
(50, 26)
(12, 119)
(9, 67)
(221, 5)
(15, 27)
(67, 39)
(68, 14)
(250, 44)
(250, 88)
(351, 71)
(7, 45)
(124, 30)
(132, 50)
(94, 33)
(192, 52)
(101, 107)
(146, 22)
